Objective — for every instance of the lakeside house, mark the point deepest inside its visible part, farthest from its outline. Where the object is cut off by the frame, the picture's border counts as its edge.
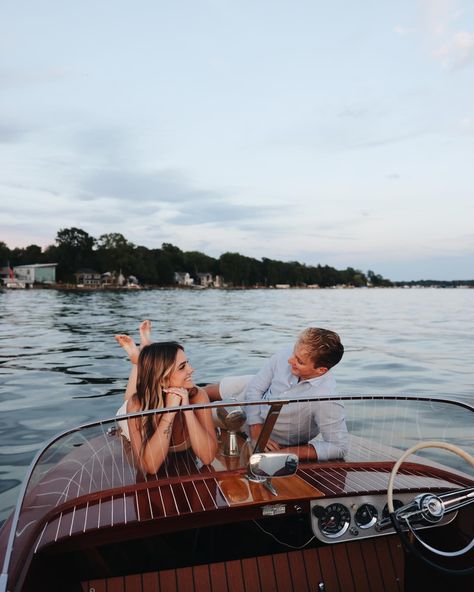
(109, 278)
(88, 278)
(35, 273)
(205, 279)
(201, 280)
(182, 278)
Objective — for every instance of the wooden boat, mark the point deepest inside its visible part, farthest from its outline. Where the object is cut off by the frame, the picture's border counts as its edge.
(87, 519)
(15, 284)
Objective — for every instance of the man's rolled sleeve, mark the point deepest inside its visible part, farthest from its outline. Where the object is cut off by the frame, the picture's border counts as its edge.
(330, 417)
(256, 389)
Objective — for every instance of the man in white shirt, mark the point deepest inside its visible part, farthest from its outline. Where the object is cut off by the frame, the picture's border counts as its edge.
(299, 372)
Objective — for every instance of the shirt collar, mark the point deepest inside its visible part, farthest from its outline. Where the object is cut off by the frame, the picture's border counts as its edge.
(316, 379)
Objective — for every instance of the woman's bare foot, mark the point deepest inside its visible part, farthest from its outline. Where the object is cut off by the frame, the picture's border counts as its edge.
(129, 346)
(145, 333)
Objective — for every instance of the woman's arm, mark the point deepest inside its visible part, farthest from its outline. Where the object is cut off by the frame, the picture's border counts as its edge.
(158, 445)
(199, 425)
(132, 383)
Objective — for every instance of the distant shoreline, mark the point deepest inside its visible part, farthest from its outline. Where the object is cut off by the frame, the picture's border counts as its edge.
(75, 288)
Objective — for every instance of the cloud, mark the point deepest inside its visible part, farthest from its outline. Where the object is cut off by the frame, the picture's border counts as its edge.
(451, 47)
(457, 51)
(222, 212)
(168, 192)
(161, 186)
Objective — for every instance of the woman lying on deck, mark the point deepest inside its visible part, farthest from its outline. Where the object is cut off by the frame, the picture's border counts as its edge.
(161, 376)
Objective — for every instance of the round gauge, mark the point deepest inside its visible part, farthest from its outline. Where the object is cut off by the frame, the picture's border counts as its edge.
(366, 516)
(334, 520)
(396, 504)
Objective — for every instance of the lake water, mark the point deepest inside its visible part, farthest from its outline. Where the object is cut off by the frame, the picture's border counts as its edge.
(60, 365)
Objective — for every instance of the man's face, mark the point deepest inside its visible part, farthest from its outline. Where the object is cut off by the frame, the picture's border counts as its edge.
(301, 364)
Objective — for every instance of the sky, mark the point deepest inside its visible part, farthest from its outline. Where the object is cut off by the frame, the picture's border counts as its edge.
(336, 133)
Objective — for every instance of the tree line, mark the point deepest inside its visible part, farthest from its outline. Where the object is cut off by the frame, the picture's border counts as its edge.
(76, 250)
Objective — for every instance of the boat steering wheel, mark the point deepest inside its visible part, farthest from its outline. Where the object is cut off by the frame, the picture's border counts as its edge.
(430, 508)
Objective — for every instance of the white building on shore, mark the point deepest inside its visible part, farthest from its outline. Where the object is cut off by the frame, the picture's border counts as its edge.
(36, 273)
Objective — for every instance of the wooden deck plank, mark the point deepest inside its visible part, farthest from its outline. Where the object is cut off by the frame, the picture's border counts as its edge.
(151, 583)
(181, 499)
(202, 579)
(130, 507)
(193, 497)
(283, 576)
(169, 501)
(65, 524)
(267, 574)
(105, 517)
(298, 571)
(133, 583)
(251, 577)
(79, 521)
(398, 558)
(148, 504)
(329, 569)
(369, 557)
(92, 516)
(313, 568)
(386, 565)
(218, 577)
(359, 573)
(118, 510)
(235, 580)
(168, 580)
(184, 577)
(206, 494)
(97, 585)
(185, 463)
(344, 568)
(116, 584)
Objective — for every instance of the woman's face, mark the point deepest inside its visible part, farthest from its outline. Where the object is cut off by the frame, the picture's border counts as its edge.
(182, 372)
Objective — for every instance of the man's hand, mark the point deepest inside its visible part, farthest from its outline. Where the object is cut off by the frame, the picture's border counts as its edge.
(305, 452)
(272, 446)
(255, 431)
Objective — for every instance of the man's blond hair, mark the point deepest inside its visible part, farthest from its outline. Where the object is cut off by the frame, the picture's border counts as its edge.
(324, 347)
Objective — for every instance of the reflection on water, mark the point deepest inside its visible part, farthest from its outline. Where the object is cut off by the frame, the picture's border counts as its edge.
(60, 366)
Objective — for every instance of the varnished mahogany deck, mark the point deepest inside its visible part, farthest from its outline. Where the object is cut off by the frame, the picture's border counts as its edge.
(96, 495)
(351, 567)
(105, 491)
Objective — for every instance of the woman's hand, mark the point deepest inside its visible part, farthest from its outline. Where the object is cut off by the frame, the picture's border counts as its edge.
(176, 396)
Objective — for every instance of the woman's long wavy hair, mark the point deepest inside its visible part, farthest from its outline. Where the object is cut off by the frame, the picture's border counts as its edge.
(155, 364)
